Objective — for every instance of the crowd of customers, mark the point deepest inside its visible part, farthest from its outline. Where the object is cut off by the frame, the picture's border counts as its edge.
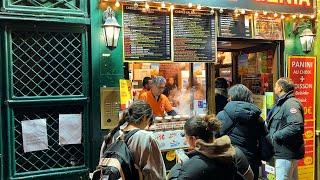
(225, 146)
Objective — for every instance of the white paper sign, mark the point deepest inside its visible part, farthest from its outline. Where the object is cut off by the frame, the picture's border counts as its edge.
(170, 139)
(34, 135)
(70, 128)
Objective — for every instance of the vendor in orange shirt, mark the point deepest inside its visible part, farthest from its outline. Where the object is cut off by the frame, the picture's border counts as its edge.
(158, 102)
(146, 83)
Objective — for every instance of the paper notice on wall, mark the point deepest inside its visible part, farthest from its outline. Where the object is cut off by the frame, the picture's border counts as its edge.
(34, 135)
(70, 128)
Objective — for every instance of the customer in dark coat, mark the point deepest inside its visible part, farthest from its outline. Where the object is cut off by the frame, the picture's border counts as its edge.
(286, 126)
(211, 158)
(242, 122)
(221, 91)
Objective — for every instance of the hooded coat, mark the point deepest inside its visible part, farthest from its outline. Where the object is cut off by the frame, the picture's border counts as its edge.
(208, 161)
(242, 122)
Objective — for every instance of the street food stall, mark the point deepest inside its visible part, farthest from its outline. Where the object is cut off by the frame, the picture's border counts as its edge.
(192, 44)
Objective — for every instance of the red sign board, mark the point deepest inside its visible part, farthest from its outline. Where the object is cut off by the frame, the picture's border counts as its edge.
(302, 70)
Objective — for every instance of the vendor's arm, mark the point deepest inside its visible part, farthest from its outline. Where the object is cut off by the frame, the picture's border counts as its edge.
(167, 107)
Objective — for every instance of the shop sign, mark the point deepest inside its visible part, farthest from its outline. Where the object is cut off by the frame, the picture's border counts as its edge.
(280, 6)
(302, 70)
(125, 93)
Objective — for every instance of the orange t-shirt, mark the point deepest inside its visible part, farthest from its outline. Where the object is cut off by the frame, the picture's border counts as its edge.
(142, 91)
(158, 107)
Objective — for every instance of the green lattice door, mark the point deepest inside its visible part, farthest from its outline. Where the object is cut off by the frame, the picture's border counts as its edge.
(47, 75)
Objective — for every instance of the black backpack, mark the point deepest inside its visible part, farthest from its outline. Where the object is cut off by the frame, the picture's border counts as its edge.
(117, 161)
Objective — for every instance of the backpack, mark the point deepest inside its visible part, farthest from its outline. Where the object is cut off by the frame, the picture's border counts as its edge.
(117, 161)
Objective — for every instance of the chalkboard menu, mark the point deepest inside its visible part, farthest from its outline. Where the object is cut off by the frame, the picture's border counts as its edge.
(268, 28)
(146, 34)
(235, 26)
(194, 36)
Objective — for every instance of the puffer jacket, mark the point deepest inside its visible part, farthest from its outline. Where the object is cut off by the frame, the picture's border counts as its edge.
(249, 127)
(208, 161)
(286, 127)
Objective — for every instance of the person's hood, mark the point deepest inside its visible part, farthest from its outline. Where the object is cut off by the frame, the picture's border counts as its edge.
(220, 148)
(242, 111)
(221, 91)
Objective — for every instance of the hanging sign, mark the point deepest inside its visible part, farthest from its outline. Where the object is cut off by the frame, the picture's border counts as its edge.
(267, 27)
(194, 37)
(302, 70)
(235, 26)
(146, 34)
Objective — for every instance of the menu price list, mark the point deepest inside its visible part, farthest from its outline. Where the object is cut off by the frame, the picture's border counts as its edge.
(235, 26)
(146, 34)
(194, 36)
(268, 28)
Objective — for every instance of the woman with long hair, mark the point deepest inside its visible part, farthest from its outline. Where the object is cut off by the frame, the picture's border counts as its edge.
(143, 146)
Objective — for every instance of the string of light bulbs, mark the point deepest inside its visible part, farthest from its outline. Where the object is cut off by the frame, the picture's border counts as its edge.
(236, 11)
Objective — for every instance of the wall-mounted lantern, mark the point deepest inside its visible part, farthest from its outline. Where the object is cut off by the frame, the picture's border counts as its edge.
(111, 28)
(306, 40)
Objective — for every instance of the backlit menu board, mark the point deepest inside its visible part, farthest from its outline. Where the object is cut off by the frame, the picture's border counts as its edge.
(146, 34)
(235, 26)
(268, 28)
(194, 36)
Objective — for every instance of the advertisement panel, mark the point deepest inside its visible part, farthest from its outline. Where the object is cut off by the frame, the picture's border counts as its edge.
(302, 70)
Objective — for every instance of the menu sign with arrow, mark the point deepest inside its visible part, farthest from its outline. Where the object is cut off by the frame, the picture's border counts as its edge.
(146, 34)
(194, 36)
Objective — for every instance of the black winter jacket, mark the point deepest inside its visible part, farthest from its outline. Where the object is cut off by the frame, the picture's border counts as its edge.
(249, 127)
(208, 161)
(286, 127)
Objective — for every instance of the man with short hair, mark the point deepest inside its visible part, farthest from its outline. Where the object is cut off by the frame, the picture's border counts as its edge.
(146, 85)
(286, 127)
(158, 102)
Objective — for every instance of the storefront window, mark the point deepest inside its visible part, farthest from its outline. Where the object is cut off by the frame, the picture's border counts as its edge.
(185, 88)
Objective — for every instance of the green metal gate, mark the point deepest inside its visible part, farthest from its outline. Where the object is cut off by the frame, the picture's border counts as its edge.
(43, 72)
(46, 75)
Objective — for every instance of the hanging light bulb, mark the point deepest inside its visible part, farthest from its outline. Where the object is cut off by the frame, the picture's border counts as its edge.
(147, 6)
(282, 16)
(117, 4)
(300, 15)
(265, 12)
(243, 11)
(212, 11)
(275, 15)
(189, 5)
(198, 6)
(256, 14)
(294, 16)
(163, 5)
(220, 10)
(312, 16)
(136, 5)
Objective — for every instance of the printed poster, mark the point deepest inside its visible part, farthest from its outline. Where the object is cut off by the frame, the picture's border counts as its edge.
(302, 70)
(125, 93)
(34, 135)
(70, 129)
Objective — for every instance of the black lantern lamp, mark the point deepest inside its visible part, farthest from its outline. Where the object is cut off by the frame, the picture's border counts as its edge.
(306, 40)
(111, 28)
